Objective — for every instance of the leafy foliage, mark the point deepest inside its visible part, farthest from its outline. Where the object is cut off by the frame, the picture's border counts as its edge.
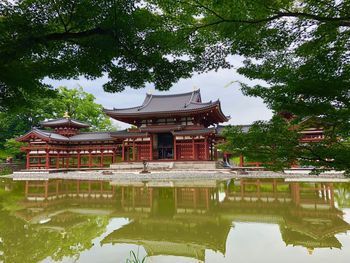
(79, 104)
(131, 41)
(276, 148)
(299, 49)
(277, 144)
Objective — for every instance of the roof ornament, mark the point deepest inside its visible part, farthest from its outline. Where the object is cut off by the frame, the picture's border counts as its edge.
(66, 115)
(189, 102)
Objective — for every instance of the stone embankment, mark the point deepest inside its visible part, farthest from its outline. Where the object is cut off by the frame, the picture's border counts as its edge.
(218, 174)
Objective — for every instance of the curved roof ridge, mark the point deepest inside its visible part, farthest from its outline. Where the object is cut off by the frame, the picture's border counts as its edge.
(204, 103)
(57, 119)
(177, 94)
(145, 104)
(189, 102)
(130, 108)
(93, 132)
(64, 121)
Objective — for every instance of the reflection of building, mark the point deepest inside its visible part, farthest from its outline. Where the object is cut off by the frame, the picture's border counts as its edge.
(53, 189)
(305, 212)
(167, 127)
(186, 218)
(176, 221)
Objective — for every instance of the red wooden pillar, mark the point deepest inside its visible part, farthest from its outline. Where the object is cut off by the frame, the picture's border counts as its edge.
(47, 159)
(79, 161)
(175, 195)
(90, 159)
(241, 160)
(207, 198)
(193, 151)
(151, 147)
(58, 160)
(123, 151)
(113, 156)
(133, 150)
(150, 197)
(46, 189)
(67, 161)
(175, 152)
(28, 160)
(57, 192)
(331, 192)
(274, 187)
(206, 148)
(122, 199)
(296, 187)
(216, 153)
(27, 188)
(195, 191)
(78, 187)
(101, 161)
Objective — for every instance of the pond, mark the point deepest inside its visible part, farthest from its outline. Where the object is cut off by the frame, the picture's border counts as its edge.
(238, 220)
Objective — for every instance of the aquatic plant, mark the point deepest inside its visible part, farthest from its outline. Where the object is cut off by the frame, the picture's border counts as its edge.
(134, 258)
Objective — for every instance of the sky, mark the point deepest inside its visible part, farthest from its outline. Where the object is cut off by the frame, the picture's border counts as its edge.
(222, 84)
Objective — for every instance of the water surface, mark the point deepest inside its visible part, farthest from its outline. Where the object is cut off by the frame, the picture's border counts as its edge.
(242, 220)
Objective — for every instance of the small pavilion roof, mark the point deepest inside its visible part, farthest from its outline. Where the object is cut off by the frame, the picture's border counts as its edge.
(84, 136)
(64, 122)
(43, 134)
(168, 105)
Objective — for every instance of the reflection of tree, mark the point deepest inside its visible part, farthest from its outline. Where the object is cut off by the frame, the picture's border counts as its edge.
(10, 194)
(66, 235)
(342, 195)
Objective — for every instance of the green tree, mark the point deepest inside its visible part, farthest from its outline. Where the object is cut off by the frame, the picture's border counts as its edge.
(299, 49)
(78, 103)
(128, 40)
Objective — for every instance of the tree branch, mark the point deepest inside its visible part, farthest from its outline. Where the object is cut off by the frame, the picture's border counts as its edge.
(77, 35)
(340, 21)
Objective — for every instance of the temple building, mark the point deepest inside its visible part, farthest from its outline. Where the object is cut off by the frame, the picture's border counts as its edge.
(176, 127)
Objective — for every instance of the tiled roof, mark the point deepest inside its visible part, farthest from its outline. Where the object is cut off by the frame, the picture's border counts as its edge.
(126, 133)
(48, 134)
(64, 122)
(85, 136)
(166, 103)
(195, 132)
(92, 136)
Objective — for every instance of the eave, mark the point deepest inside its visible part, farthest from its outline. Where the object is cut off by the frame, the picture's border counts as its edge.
(132, 118)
